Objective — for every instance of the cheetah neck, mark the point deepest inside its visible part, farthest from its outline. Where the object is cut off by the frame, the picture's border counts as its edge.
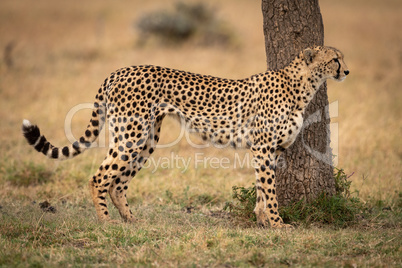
(303, 84)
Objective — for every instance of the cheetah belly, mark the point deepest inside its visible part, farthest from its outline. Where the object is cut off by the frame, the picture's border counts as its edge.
(222, 136)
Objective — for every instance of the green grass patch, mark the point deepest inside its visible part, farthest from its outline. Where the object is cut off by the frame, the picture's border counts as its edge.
(25, 173)
(334, 210)
(191, 200)
(339, 210)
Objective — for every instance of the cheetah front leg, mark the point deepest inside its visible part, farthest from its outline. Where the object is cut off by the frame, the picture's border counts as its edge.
(266, 208)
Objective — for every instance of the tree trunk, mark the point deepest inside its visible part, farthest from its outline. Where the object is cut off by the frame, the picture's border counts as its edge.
(305, 169)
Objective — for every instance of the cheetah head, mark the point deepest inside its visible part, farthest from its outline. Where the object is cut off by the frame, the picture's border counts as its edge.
(325, 62)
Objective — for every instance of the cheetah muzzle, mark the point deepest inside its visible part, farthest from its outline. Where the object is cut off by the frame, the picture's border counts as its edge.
(263, 113)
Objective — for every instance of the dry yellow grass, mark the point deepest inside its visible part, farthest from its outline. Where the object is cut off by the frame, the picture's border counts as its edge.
(370, 102)
(63, 50)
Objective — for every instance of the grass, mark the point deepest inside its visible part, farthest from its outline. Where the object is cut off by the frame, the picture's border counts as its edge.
(340, 210)
(72, 236)
(24, 174)
(56, 54)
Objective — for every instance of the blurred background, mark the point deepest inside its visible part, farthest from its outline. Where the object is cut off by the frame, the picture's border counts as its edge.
(55, 54)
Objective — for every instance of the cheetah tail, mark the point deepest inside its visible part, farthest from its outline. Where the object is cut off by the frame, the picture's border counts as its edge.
(40, 143)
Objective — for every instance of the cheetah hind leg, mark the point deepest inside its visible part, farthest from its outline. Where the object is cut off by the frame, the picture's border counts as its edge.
(127, 168)
(117, 192)
(99, 186)
(118, 188)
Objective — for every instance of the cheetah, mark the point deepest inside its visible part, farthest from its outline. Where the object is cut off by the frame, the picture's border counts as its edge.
(263, 113)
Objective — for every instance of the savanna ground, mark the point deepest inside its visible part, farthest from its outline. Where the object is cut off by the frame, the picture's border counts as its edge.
(55, 56)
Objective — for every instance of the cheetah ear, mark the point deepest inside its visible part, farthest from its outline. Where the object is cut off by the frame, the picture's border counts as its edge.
(309, 55)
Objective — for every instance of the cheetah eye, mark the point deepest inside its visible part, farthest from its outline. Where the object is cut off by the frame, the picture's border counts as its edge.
(335, 60)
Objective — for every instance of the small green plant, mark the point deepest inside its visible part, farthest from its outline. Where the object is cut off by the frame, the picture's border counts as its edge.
(342, 183)
(244, 204)
(339, 209)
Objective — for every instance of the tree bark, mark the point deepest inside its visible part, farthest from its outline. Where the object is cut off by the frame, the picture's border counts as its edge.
(305, 169)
